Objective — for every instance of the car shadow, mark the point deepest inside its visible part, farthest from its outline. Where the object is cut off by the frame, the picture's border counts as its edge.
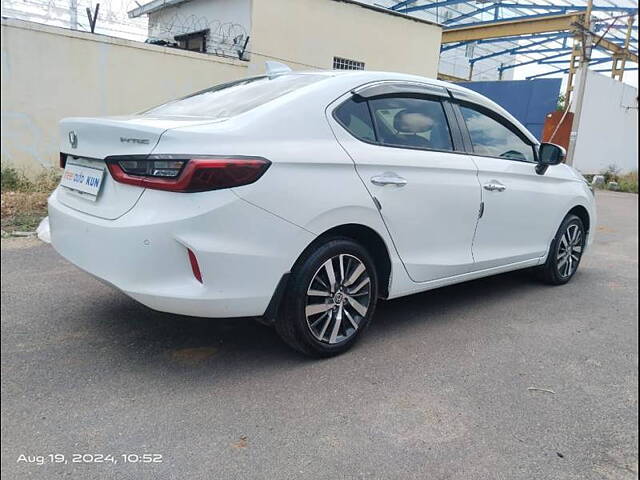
(150, 339)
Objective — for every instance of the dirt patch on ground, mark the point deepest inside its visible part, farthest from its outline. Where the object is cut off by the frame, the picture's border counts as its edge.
(16, 243)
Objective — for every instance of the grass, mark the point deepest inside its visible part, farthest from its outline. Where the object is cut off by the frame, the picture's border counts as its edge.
(24, 200)
(627, 182)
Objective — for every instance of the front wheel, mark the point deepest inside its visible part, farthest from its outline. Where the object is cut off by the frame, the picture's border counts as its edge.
(330, 300)
(565, 252)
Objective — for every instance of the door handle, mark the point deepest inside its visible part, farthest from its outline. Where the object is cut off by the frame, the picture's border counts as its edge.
(494, 186)
(389, 178)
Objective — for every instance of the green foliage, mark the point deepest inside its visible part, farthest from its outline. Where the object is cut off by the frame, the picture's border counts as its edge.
(24, 199)
(629, 182)
(626, 183)
(14, 180)
(610, 174)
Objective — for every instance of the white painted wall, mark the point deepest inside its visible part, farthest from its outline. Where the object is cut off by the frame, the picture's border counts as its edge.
(608, 128)
(49, 73)
(307, 34)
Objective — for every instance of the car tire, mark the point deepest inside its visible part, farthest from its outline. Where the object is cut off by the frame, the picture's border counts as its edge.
(330, 298)
(565, 252)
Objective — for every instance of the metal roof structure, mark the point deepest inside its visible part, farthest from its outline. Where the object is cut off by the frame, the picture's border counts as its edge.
(612, 27)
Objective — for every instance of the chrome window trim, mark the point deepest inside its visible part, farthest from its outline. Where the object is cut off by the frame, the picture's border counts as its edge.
(395, 87)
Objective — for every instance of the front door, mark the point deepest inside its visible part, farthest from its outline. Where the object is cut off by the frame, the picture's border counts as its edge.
(428, 194)
(520, 206)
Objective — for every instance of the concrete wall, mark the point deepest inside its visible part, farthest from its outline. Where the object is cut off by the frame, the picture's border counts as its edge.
(49, 73)
(307, 34)
(608, 128)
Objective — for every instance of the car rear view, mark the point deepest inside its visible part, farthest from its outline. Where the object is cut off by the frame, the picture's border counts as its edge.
(168, 229)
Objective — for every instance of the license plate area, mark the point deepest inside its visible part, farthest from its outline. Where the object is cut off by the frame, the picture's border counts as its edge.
(82, 179)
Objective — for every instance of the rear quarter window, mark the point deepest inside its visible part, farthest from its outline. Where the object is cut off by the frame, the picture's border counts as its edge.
(354, 116)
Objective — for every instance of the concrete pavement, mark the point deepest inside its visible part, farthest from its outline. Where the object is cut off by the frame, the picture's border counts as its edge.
(501, 378)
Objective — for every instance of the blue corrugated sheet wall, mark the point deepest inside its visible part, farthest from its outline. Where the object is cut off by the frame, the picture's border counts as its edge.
(527, 100)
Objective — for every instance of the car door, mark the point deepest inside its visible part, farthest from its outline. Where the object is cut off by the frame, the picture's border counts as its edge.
(427, 192)
(519, 205)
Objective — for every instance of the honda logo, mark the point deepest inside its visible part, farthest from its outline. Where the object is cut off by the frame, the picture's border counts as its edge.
(73, 139)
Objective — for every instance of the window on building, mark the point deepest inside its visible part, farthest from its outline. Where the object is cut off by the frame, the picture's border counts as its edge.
(491, 138)
(411, 122)
(194, 41)
(346, 64)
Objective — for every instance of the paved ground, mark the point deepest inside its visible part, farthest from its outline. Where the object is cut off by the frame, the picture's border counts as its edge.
(439, 388)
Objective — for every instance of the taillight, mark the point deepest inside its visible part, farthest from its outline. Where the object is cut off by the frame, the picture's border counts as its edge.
(180, 174)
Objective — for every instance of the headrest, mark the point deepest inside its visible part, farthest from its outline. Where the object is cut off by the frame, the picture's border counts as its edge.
(412, 121)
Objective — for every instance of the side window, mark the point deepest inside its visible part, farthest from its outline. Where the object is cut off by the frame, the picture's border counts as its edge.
(490, 137)
(355, 117)
(411, 122)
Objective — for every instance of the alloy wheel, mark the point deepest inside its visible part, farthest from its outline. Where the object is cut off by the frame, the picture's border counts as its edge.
(570, 250)
(338, 299)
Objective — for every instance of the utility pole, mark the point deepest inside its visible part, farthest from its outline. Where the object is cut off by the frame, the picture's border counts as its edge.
(587, 44)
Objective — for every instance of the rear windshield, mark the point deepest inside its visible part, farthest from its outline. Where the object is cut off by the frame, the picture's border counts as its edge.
(231, 99)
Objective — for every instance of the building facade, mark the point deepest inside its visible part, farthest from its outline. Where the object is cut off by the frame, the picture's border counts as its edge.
(305, 34)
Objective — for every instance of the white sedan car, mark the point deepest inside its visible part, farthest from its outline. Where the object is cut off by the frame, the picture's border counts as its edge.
(304, 198)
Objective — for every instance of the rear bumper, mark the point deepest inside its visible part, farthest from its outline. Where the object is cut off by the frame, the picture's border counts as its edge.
(242, 251)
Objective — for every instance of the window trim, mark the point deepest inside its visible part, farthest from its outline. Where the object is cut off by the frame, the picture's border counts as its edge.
(498, 118)
(455, 132)
(393, 87)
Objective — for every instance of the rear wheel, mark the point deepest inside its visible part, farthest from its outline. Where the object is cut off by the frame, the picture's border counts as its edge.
(330, 300)
(565, 252)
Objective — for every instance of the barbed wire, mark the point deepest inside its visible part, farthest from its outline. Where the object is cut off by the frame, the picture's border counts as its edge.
(223, 38)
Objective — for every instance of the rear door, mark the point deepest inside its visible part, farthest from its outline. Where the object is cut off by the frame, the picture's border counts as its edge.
(428, 194)
(519, 205)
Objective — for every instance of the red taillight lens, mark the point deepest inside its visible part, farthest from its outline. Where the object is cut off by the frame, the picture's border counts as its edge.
(188, 175)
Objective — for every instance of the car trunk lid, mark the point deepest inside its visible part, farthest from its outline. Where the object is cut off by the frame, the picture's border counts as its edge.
(86, 142)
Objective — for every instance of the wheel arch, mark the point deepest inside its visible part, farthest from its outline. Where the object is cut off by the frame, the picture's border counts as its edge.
(369, 239)
(362, 234)
(583, 214)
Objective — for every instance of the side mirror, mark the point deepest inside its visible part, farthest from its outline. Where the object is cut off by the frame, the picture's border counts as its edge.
(549, 154)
